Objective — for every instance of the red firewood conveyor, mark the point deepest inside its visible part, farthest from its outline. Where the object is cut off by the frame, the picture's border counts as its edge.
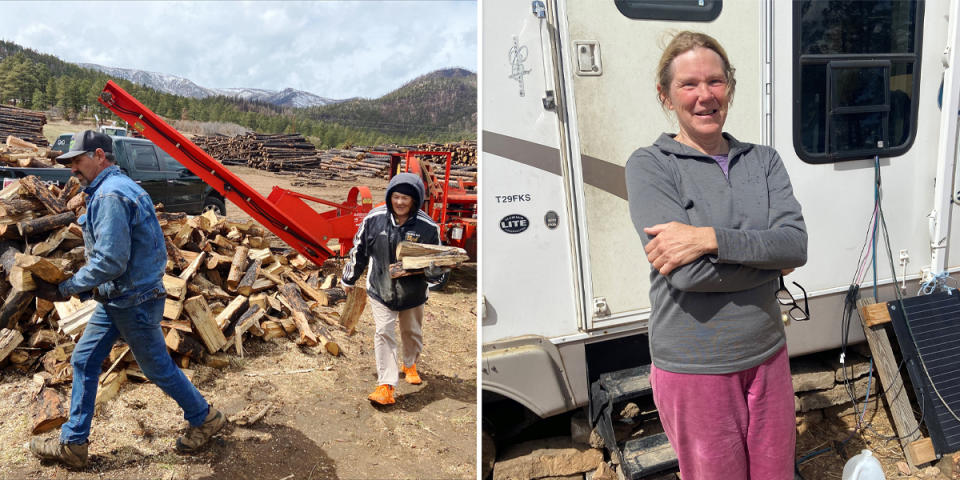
(452, 205)
(285, 213)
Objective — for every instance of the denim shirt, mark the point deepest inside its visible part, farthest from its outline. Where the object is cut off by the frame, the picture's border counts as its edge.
(125, 249)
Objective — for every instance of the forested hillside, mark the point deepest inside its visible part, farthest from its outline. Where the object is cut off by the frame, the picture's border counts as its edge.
(436, 107)
(439, 103)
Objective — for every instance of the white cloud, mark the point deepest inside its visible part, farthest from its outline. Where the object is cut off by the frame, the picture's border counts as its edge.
(333, 49)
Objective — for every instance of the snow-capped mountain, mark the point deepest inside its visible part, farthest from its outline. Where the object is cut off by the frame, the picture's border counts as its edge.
(288, 97)
(173, 84)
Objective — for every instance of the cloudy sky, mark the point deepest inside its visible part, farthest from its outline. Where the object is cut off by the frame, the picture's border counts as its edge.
(336, 49)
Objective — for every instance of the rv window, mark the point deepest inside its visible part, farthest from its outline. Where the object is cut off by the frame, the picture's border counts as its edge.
(857, 88)
(687, 10)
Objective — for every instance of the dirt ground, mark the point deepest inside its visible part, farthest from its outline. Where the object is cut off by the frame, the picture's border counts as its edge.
(316, 423)
(55, 128)
(834, 428)
(831, 432)
(822, 429)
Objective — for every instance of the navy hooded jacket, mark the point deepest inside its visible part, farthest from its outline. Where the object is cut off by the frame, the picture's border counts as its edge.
(376, 243)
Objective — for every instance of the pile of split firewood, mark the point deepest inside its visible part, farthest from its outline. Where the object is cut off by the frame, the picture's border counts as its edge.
(17, 152)
(224, 282)
(23, 123)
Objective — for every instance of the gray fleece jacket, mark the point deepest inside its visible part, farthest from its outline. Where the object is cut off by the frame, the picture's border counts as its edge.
(718, 314)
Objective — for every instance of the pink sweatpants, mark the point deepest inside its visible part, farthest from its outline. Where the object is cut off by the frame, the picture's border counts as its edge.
(737, 426)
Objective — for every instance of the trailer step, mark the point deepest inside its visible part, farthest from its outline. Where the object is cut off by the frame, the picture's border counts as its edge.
(646, 456)
(639, 457)
(626, 384)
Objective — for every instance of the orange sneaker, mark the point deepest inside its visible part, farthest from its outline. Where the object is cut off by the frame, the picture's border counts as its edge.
(383, 395)
(412, 376)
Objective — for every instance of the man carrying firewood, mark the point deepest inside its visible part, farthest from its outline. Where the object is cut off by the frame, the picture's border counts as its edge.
(126, 260)
(394, 300)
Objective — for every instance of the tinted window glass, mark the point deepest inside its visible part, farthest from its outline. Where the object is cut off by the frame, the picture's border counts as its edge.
(169, 163)
(859, 87)
(62, 144)
(860, 26)
(813, 110)
(856, 132)
(144, 158)
(858, 64)
(687, 10)
(902, 95)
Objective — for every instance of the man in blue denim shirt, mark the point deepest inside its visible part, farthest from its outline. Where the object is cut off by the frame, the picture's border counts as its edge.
(126, 259)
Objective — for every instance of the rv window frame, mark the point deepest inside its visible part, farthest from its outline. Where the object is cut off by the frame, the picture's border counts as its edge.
(659, 10)
(854, 60)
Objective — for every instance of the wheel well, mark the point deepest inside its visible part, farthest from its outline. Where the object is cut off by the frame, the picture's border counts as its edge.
(207, 199)
(504, 417)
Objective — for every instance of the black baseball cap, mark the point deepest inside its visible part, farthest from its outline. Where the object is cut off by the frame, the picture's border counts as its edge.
(86, 141)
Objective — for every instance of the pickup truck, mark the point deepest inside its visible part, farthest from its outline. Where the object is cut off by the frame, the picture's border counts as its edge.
(166, 180)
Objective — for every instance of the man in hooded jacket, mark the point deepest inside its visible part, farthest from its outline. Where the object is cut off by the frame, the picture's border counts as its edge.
(394, 300)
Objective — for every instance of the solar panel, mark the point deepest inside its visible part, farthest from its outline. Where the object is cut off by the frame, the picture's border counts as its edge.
(933, 331)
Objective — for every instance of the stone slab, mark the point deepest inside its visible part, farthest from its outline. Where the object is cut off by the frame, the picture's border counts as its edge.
(549, 457)
(836, 395)
(810, 374)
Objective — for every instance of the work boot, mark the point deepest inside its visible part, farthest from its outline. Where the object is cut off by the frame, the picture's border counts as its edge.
(197, 437)
(383, 395)
(73, 455)
(411, 375)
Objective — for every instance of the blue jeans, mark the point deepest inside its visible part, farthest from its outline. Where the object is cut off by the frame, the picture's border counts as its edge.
(139, 326)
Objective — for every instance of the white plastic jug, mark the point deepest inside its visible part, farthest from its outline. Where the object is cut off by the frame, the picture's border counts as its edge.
(863, 466)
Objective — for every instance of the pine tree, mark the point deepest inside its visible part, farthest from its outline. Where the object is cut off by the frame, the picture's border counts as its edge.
(50, 94)
(18, 81)
(64, 85)
(38, 103)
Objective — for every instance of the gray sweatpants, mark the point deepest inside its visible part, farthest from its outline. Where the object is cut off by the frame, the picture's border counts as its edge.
(385, 340)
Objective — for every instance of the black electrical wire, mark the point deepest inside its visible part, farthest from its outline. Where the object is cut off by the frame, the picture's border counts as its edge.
(849, 306)
(893, 271)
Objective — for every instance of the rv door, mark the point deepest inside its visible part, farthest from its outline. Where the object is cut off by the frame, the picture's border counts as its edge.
(611, 51)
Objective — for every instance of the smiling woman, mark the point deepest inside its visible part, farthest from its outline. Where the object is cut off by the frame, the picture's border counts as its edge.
(698, 95)
(719, 225)
(697, 81)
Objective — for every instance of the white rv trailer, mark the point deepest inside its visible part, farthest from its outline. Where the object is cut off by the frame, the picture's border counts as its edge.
(568, 94)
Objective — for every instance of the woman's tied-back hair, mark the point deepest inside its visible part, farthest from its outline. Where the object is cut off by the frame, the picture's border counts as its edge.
(681, 43)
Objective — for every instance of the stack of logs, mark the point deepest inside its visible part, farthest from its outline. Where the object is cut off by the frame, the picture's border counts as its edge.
(223, 282)
(266, 152)
(17, 152)
(464, 152)
(358, 159)
(23, 123)
(291, 154)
